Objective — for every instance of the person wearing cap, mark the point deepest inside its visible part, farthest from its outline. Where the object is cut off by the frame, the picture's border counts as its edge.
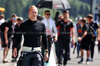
(95, 26)
(78, 32)
(85, 42)
(17, 26)
(8, 35)
(66, 27)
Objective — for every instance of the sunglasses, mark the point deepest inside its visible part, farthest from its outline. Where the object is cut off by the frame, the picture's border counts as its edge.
(47, 14)
(14, 18)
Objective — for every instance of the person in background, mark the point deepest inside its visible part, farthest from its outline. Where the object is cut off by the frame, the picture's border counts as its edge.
(96, 29)
(57, 42)
(2, 20)
(17, 26)
(66, 27)
(51, 30)
(8, 35)
(78, 28)
(85, 42)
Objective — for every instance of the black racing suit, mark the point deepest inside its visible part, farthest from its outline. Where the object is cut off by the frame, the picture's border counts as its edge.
(64, 40)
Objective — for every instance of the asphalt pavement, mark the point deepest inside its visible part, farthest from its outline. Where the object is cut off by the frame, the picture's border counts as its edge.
(72, 62)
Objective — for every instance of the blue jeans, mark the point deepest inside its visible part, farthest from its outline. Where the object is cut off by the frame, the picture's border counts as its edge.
(78, 47)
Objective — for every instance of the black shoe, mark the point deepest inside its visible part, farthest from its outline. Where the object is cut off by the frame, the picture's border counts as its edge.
(69, 59)
(64, 64)
(81, 61)
(13, 60)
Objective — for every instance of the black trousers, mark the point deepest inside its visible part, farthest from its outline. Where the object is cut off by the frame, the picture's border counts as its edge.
(92, 47)
(18, 48)
(30, 59)
(64, 47)
(50, 42)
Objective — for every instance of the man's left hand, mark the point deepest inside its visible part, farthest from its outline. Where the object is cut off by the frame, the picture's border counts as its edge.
(72, 41)
(46, 56)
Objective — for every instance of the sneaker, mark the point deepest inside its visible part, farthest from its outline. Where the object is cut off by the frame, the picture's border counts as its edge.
(81, 62)
(87, 61)
(5, 61)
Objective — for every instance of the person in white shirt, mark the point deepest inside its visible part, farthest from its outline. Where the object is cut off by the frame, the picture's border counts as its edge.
(78, 32)
(50, 29)
(2, 20)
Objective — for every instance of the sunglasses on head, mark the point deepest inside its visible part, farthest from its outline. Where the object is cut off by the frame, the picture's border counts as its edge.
(47, 14)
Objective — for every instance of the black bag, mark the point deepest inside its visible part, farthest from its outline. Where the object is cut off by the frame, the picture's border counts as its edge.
(50, 39)
(91, 31)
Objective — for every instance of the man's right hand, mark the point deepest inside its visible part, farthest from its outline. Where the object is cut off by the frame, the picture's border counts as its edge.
(15, 52)
(79, 39)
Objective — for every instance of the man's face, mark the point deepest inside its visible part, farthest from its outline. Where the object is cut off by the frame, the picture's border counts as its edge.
(33, 12)
(47, 14)
(79, 21)
(83, 23)
(88, 19)
(13, 19)
(19, 22)
(66, 15)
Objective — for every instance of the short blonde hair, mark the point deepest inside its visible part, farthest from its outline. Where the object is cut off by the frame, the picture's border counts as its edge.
(33, 6)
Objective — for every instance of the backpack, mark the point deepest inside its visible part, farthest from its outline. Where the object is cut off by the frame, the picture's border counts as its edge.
(2, 27)
(91, 31)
